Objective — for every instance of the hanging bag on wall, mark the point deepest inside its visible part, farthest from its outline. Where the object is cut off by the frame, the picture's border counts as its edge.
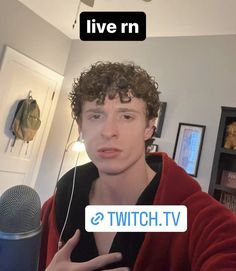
(26, 121)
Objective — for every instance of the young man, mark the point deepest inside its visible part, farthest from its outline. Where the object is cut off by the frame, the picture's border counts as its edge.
(115, 106)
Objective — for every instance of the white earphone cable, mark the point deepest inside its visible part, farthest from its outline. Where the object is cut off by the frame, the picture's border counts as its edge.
(59, 245)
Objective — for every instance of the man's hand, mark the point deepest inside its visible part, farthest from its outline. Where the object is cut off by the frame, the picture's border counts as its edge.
(62, 261)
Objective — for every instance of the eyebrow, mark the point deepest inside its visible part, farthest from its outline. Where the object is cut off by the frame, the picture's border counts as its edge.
(100, 110)
(128, 110)
(92, 110)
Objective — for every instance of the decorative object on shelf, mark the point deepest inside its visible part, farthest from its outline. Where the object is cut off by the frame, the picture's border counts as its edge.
(223, 170)
(160, 119)
(228, 179)
(228, 200)
(230, 139)
(188, 147)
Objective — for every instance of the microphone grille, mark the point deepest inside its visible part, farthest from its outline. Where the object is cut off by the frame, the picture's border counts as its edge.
(20, 209)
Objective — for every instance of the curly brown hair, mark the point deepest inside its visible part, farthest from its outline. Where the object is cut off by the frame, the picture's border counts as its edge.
(111, 79)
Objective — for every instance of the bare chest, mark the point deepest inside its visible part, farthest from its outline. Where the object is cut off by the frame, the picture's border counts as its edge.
(103, 241)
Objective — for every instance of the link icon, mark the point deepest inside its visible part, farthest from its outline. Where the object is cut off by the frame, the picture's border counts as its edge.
(95, 220)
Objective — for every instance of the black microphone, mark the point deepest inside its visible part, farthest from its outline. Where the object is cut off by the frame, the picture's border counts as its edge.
(20, 229)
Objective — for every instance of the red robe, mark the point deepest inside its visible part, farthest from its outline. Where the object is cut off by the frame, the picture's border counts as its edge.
(209, 244)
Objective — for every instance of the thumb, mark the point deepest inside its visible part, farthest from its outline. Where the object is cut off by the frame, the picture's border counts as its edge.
(70, 245)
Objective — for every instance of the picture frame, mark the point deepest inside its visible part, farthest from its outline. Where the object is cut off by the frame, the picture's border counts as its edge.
(188, 146)
(152, 148)
(228, 179)
(160, 119)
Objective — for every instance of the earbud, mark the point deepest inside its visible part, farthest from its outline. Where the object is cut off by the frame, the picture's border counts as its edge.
(81, 139)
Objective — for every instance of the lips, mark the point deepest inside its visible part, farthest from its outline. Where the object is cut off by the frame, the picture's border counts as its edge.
(108, 152)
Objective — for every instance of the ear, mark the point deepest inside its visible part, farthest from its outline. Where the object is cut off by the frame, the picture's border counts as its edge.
(149, 129)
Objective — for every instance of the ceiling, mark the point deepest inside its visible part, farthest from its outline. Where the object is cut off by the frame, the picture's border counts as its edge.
(164, 17)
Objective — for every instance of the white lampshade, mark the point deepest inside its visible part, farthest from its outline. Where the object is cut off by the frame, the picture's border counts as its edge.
(78, 146)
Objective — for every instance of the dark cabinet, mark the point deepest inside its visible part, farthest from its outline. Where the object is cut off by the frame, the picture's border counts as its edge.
(223, 176)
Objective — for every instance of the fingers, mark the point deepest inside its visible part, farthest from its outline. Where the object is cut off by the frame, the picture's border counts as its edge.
(61, 260)
(70, 244)
(101, 261)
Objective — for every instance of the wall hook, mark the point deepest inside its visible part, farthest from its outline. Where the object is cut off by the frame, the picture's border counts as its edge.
(30, 94)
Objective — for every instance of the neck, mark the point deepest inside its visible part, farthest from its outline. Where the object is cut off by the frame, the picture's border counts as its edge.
(124, 188)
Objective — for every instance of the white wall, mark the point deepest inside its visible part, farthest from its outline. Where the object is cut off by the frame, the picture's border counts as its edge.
(196, 76)
(27, 33)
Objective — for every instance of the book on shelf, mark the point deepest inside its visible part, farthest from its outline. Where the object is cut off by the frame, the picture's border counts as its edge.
(228, 178)
(229, 200)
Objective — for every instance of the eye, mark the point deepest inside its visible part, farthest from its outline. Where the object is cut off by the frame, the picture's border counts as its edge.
(95, 116)
(127, 117)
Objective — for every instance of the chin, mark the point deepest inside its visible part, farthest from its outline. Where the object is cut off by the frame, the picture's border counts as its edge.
(109, 169)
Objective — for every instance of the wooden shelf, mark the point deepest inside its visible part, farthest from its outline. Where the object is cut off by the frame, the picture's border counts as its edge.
(227, 151)
(225, 189)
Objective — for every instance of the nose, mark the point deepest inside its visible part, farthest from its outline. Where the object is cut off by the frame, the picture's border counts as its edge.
(109, 129)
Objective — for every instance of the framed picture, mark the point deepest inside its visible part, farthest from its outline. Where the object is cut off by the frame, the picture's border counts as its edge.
(152, 148)
(228, 178)
(188, 147)
(160, 119)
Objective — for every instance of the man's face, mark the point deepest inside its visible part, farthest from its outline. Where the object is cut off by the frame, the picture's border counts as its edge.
(114, 133)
